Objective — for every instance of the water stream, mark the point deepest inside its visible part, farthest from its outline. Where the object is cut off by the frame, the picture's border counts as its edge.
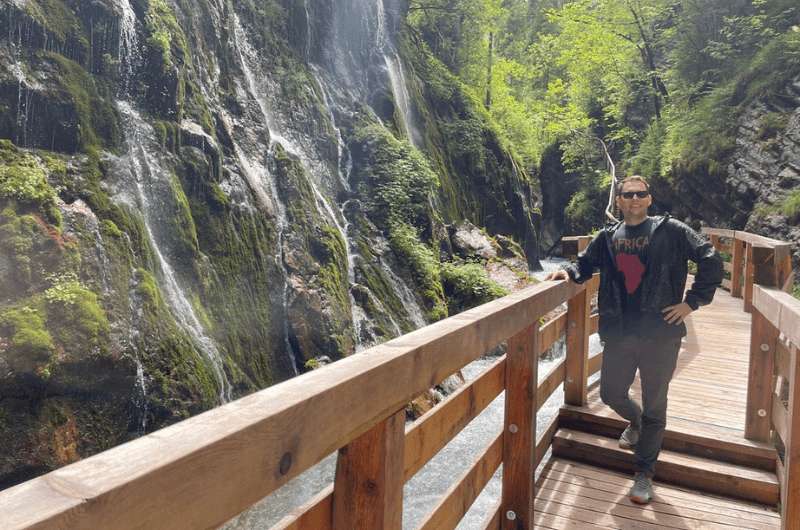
(153, 184)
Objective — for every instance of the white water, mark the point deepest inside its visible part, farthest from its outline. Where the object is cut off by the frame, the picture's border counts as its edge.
(406, 295)
(248, 56)
(128, 52)
(397, 76)
(148, 173)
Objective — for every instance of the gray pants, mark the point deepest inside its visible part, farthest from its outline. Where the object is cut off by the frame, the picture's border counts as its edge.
(655, 360)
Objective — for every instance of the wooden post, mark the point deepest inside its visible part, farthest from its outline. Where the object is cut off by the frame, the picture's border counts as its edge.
(791, 486)
(715, 242)
(519, 433)
(748, 278)
(577, 358)
(763, 344)
(368, 489)
(736, 271)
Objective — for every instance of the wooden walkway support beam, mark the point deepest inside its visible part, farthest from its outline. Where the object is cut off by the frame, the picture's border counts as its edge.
(577, 357)
(736, 271)
(368, 490)
(763, 344)
(519, 432)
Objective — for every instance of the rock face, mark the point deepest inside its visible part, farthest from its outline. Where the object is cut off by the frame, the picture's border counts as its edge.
(200, 199)
(757, 188)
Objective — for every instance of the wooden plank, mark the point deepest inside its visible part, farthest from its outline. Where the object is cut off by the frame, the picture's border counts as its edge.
(368, 489)
(763, 342)
(680, 435)
(691, 471)
(791, 508)
(781, 309)
(577, 356)
(316, 514)
(254, 445)
(719, 232)
(760, 241)
(594, 325)
(599, 478)
(736, 272)
(519, 432)
(434, 429)
(552, 331)
(455, 503)
(780, 472)
(748, 278)
(608, 485)
(548, 385)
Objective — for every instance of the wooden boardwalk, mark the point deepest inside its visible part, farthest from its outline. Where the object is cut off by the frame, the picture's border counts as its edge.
(708, 394)
(572, 495)
(705, 417)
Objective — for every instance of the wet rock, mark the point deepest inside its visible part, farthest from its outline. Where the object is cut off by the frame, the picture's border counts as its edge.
(469, 241)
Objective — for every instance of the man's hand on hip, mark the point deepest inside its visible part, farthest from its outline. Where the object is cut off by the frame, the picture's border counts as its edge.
(557, 275)
(675, 314)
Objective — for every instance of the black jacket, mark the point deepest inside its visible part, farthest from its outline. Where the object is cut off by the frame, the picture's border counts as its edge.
(672, 243)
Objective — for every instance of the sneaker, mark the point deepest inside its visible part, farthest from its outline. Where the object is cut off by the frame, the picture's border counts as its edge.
(642, 489)
(630, 437)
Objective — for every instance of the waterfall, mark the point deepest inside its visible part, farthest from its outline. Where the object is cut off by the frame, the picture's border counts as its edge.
(248, 56)
(397, 76)
(414, 311)
(128, 48)
(152, 184)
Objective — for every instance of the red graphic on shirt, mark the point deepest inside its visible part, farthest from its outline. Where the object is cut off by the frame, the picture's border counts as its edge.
(631, 266)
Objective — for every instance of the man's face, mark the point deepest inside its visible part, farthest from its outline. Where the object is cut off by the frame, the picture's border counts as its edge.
(631, 205)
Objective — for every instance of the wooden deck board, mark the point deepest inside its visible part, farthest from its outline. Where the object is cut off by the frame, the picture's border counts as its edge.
(574, 495)
(709, 389)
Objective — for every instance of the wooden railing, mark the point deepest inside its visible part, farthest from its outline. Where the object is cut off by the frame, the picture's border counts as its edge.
(774, 388)
(205, 470)
(752, 259)
(760, 272)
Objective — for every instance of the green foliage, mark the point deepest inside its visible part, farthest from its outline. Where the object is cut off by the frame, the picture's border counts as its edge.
(771, 124)
(790, 207)
(397, 179)
(22, 176)
(467, 285)
(164, 33)
(29, 336)
(424, 266)
(75, 314)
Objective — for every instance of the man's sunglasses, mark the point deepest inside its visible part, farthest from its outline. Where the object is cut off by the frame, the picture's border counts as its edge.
(640, 194)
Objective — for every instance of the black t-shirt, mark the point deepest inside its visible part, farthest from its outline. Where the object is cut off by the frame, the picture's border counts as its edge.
(631, 244)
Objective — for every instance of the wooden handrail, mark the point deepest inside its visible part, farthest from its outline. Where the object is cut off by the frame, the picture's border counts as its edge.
(209, 468)
(775, 336)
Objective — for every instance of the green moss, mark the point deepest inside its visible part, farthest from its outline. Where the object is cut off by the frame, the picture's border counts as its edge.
(333, 266)
(97, 119)
(771, 124)
(57, 19)
(424, 267)
(468, 285)
(31, 343)
(110, 228)
(790, 207)
(23, 177)
(183, 220)
(75, 315)
(165, 34)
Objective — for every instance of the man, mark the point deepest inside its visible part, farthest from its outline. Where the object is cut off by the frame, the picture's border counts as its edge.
(643, 268)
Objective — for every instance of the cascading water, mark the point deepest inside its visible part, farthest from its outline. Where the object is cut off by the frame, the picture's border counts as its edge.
(397, 76)
(152, 185)
(128, 48)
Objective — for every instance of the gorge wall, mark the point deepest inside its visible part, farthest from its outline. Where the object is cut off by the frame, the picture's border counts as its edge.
(202, 198)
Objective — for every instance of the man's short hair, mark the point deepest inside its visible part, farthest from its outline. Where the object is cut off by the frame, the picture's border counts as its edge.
(632, 178)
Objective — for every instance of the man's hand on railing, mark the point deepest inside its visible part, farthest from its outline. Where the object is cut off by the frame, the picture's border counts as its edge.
(557, 275)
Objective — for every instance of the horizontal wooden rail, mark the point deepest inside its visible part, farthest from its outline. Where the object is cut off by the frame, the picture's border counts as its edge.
(201, 472)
